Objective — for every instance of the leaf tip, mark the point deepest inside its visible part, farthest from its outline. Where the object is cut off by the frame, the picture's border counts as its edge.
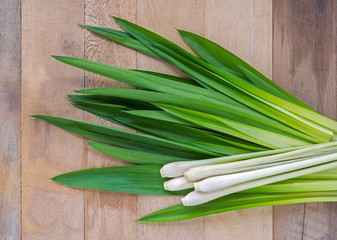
(59, 58)
(181, 32)
(91, 28)
(37, 116)
(143, 219)
(91, 144)
(117, 19)
(55, 179)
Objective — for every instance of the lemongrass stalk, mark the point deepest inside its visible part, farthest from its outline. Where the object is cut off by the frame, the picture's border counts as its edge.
(177, 184)
(224, 181)
(201, 172)
(177, 169)
(256, 167)
(196, 198)
(181, 183)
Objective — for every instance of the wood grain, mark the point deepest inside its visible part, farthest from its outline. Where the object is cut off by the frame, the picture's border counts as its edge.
(10, 77)
(244, 28)
(161, 16)
(50, 210)
(108, 215)
(305, 64)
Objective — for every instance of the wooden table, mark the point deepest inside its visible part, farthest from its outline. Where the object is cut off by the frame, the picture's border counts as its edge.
(294, 42)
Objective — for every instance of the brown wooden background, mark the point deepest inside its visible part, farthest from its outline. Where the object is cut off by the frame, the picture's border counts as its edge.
(292, 41)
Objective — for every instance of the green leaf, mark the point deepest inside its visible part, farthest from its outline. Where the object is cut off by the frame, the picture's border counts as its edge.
(193, 138)
(146, 80)
(161, 115)
(198, 138)
(133, 156)
(170, 77)
(145, 37)
(236, 201)
(216, 55)
(120, 102)
(140, 179)
(122, 138)
(167, 98)
(167, 119)
(102, 108)
(189, 64)
(102, 113)
(225, 110)
(297, 186)
(251, 96)
(243, 131)
(330, 174)
(121, 37)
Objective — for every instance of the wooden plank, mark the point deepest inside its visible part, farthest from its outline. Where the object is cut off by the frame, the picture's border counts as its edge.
(50, 210)
(288, 221)
(305, 64)
(161, 16)
(109, 215)
(244, 28)
(10, 75)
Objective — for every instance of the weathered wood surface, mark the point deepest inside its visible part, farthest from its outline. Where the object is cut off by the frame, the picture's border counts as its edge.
(10, 74)
(50, 210)
(305, 64)
(292, 41)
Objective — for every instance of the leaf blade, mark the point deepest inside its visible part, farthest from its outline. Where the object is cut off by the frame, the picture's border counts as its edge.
(139, 179)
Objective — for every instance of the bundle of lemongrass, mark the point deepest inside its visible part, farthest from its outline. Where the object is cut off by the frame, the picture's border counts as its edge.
(217, 177)
(225, 130)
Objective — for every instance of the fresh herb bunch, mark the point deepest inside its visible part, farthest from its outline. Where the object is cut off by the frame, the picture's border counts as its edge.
(226, 130)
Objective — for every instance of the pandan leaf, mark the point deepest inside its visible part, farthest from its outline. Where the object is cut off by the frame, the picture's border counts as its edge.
(217, 56)
(121, 37)
(122, 138)
(236, 202)
(134, 156)
(140, 179)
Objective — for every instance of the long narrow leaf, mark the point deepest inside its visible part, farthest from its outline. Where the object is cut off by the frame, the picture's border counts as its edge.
(121, 37)
(122, 138)
(175, 55)
(134, 156)
(225, 60)
(179, 133)
(236, 202)
(140, 179)
(227, 111)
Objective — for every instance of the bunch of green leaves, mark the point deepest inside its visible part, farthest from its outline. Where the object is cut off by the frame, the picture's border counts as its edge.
(223, 107)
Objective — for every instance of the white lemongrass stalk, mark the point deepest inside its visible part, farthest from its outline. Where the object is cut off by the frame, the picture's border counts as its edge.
(181, 183)
(245, 169)
(177, 184)
(196, 198)
(201, 172)
(176, 169)
(224, 181)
